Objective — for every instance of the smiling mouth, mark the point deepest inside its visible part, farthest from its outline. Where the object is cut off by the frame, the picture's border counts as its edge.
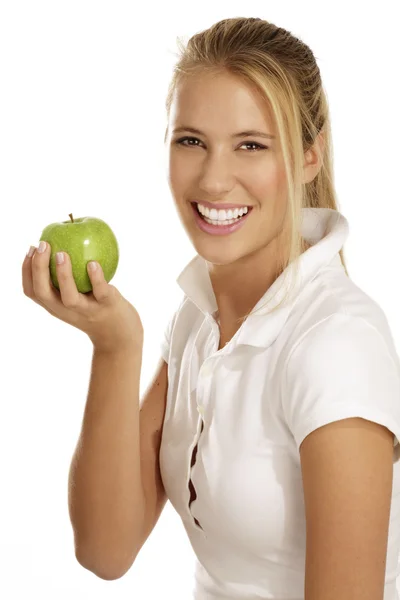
(219, 228)
(195, 206)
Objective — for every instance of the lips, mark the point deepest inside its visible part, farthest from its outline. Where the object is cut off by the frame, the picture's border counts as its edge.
(221, 206)
(218, 230)
(226, 207)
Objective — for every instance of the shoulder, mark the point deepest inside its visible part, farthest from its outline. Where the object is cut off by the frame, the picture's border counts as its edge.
(341, 368)
(345, 337)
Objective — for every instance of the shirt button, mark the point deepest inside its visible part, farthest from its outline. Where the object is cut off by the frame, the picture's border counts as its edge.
(206, 370)
(200, 409)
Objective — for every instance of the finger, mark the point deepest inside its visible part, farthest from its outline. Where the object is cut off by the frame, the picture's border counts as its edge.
(27, 277)
(27, 284)
(70, 295)
(102, 291)
(42, 285)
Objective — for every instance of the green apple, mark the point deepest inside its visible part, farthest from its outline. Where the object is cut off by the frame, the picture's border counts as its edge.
(83, 239)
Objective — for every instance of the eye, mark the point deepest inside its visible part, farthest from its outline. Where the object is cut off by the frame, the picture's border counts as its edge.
(184, 139)
(259, 147)
(180, 142)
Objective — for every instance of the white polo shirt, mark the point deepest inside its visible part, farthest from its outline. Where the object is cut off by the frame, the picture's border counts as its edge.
(327, 355)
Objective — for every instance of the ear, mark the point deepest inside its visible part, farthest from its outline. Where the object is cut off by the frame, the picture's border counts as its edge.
(313, 158)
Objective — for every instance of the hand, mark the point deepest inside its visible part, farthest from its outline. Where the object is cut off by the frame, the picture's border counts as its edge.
(110, 321)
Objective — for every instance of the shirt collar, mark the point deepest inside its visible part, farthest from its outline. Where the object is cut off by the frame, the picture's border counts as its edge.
(327, 229)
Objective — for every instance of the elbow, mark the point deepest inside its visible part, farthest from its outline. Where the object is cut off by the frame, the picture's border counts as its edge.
(103, 569)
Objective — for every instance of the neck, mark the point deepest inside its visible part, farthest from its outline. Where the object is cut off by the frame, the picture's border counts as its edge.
(238, 286)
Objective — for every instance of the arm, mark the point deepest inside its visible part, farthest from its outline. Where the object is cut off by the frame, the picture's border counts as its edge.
(347, 469)
(105, 495)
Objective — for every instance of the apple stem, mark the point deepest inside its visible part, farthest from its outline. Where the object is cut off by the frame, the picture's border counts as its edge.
(71, 217)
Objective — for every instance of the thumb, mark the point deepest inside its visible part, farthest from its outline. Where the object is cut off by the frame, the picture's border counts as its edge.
(100, 287)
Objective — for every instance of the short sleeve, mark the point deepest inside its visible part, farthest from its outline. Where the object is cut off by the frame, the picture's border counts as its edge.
(166, 338)
(168, 331)
(341, 368)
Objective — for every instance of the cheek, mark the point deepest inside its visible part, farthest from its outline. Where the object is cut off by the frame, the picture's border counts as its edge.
(281, 190)
(179, 173)
(277, 180)
(269, 182)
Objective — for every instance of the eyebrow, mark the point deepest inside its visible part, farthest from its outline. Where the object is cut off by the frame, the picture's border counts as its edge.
(234, 135)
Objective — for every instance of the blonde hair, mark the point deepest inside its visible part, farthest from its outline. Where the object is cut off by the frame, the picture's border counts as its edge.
(283, 69)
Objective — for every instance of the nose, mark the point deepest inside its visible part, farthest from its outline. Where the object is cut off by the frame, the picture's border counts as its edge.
(217, 178)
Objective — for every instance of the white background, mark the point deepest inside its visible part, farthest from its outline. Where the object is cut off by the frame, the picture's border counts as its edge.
(82, 121)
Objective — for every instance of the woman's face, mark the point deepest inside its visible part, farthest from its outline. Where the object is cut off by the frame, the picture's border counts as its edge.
(217, 166)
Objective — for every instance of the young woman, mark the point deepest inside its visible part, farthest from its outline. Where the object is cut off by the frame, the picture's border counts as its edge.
(273, 419)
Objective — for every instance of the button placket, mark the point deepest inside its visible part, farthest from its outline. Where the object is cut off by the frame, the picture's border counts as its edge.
(190, 484)
(205, 371)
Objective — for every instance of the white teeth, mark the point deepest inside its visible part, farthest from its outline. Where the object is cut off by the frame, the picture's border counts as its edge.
(222, 215)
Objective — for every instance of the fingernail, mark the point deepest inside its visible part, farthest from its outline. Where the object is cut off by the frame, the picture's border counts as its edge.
(30, 251)
(42, 247)
(92, 266)
(60, 258)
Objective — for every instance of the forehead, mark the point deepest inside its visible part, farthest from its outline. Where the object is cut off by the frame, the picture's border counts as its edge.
(220, 102)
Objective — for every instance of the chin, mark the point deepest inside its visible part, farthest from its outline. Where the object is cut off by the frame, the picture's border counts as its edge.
(220, 256)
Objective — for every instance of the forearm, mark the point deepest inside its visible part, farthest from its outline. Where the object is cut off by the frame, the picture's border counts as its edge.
(106, 500)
